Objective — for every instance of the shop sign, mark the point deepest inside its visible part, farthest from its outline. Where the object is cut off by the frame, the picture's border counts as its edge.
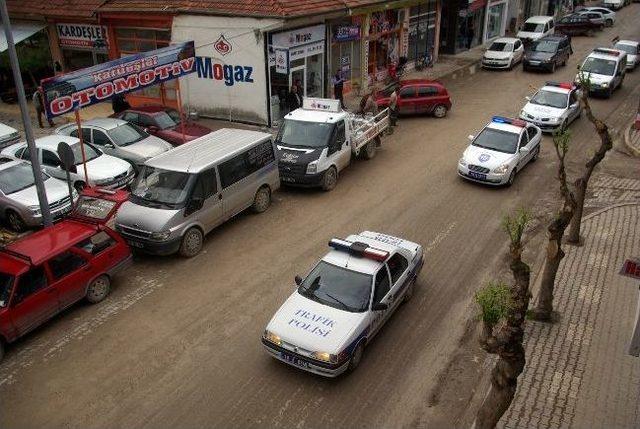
(345, 33)
(306, 51)
(345, 64)
(302, 36)
(82, 88)
(223, 46)
(82, 35)
(282, 61)
(208, 68)
(321, 104)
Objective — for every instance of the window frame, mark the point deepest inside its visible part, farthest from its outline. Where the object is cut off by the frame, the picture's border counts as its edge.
(48, 152)
(73, 251)
(199, 180)
(374, 301)
(408, 88)
(90, 253)
(405, 263)
(17, 285)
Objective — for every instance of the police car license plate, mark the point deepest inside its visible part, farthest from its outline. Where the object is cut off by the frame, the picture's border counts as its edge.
(477, 175)
(294, 360)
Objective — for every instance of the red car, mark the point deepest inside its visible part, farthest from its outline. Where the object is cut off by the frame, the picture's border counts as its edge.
(99, 205)
(48, 271)
(419, 96)
(164, 123)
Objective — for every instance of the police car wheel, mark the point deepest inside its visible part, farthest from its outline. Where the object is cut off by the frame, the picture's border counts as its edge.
(15, 221)
(356, 357)
(98, 289)
(512, 177)
(369, 150)
(262, 200)
(330, 179)
(191, 243)
(440, 111)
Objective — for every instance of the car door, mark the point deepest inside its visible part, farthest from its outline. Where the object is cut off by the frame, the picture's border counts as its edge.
(518, 51)
(381, 289)
(70, 273)
(237, 192)
(407, 100)
(53, 165)
(426, 99)
(103, 142)
(399, 271)
(33, 301)
(574, 105)
(206, 190)
(534, 136)
(523, 156)
(342, 145)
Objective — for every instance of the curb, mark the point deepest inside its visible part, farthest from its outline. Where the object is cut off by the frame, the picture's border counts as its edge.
(627, 141)
(467, 70)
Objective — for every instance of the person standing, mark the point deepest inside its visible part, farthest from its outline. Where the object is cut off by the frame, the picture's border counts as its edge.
(393, 108)
(369, 105)
(338, 86)
(38, 103)
(294, 99)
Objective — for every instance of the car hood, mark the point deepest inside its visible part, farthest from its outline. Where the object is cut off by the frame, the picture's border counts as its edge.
(496, 55)
(485, 157)
(539, 111)
(538, 56)
(191, 131)
(148, 148)
(150, 219)
(314, 326)
(104, 167)
(54, 188)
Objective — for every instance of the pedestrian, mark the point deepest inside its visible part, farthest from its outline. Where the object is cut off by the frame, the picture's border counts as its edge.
(294, 99)
(393, 108)
(368, 104)
(38, 103)
(119, 104)
(338, 85)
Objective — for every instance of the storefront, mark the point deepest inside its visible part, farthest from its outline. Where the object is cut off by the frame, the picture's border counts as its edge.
(496, 20)
(423, 23)
(82, 45)
(382, 45)
(296, 57)
(345, 52)
(462, 25)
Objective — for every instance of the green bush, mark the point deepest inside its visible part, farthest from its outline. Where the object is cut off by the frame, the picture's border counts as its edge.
(495, 302)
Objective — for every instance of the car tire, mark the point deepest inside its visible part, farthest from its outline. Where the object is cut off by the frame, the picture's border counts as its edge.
(356, 356)
(553, 67)
(262, 200)
(609, 22)
(98, 289)
(370, 150)
(192, 241)
(15, 221)
(512, 177)
(440, 111)
(330, 179)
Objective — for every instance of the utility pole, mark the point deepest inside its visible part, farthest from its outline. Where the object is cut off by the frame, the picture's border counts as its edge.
(26, 120)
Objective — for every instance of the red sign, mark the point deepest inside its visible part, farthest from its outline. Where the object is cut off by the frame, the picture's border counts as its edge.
(223, 46)
(631, 268)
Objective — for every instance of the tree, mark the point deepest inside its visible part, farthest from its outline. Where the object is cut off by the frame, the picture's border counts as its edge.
(581, 183)
(555, 232)
(503, 311)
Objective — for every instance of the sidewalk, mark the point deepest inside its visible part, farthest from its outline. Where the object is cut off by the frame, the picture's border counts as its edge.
(632, 140)
(578, 373)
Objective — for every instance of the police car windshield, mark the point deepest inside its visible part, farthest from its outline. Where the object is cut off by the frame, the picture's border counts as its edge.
(17, 178)
(629, 49)
(501, 47)
(551, 99)
(599, 66)
(498, 140)
(546, 46)
(156, 187)
(305, 134)
(337, 287)
(5, 288)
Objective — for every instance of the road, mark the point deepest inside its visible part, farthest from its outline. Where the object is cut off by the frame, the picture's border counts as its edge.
(177, 344)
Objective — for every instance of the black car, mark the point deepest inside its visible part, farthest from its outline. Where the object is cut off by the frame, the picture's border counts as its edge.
(580, 24)
(547, 53)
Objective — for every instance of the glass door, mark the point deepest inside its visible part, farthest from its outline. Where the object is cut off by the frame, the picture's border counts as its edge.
(298, 77)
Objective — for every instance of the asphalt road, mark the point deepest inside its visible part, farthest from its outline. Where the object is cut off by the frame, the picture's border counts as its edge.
(177, 344)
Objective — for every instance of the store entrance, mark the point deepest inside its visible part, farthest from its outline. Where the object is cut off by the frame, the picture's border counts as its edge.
(297, 76)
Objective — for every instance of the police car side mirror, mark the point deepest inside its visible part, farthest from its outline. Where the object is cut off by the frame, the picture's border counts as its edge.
(298, 280)
(379, 306)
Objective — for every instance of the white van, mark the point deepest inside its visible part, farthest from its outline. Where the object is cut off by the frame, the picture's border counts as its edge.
(536, 28)
(184, 193)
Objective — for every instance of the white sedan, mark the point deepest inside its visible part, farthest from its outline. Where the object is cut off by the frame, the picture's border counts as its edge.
(553, 107)
(500, 151)
(326, 323)
(503, 53)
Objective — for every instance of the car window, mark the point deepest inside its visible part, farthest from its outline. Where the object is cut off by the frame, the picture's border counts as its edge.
(146, 121)
(398, 264)
(407, 92)
(518, 44)
(51, 159)
(206, 184)
(65, 263)
(6, 285)
(573, 98)
(427, 91)
(524, 140)
(340, 132)
(246, 163)
(100, 138)
(532, 132)
(130, 117)
(29, 283)
(382, 285)
(96, 243)
(23, 154)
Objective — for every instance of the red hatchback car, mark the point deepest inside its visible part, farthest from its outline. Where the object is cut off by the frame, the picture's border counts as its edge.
(164, 123)
(419, 96)
(46, 272)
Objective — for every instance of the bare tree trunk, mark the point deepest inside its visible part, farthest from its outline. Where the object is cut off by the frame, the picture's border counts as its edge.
(576, 222)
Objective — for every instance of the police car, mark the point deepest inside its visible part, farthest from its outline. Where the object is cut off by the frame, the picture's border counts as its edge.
(553, 107)
(324, 326)
(605, 70)
(502, 149)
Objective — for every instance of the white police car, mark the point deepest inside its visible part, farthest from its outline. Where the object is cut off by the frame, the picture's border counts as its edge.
(503, 147)
(324, 326)
(553, 107)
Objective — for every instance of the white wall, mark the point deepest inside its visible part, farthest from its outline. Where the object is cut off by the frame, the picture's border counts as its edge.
(227, 85)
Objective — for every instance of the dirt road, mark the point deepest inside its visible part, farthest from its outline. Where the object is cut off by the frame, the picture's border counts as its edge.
(177, 344)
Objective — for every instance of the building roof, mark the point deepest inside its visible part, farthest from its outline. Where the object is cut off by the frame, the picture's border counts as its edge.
(54, 8)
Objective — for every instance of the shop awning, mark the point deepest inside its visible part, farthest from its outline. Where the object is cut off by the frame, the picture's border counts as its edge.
(21, 30)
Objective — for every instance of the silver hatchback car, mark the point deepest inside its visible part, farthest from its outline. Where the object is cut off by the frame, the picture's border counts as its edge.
(119, 138)
(19, 205)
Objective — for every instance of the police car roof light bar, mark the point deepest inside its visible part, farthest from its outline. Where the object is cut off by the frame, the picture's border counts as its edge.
(608, 51)
(358, 249)
(564, 85)
(503, 120)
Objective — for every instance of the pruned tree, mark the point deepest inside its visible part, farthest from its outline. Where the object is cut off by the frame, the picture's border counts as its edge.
(555, 232)
(581, 183)
(503, 310)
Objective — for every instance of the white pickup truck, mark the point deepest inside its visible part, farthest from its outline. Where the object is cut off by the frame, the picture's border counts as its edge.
(320, 139)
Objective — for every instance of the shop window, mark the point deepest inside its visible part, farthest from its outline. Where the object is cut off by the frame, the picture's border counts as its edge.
(422, 30)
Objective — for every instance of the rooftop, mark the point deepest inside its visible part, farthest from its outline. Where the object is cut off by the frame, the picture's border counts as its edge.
(54, 8)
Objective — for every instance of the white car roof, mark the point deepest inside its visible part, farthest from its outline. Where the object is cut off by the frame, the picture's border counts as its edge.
(606, 56)
(555, 89)
(105, 123)
(539, 19)
(628, 42)
(316, 116)
(505, 127)
(51, 142)
(505, 40)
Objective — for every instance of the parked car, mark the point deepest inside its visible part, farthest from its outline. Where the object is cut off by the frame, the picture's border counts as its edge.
(577, 25)
(419, 96)
(50, 270)
(8, 135)
(99, 205)
(103, 170)
(605, 69)
(596, 18)
(504, 53)
(535, 28)
(19, 204)
(547, 53)
(162, 122)
(613, 4)
(609, 15)
(119, 138)
(553, 107)
(632, 48)
(183, 194)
